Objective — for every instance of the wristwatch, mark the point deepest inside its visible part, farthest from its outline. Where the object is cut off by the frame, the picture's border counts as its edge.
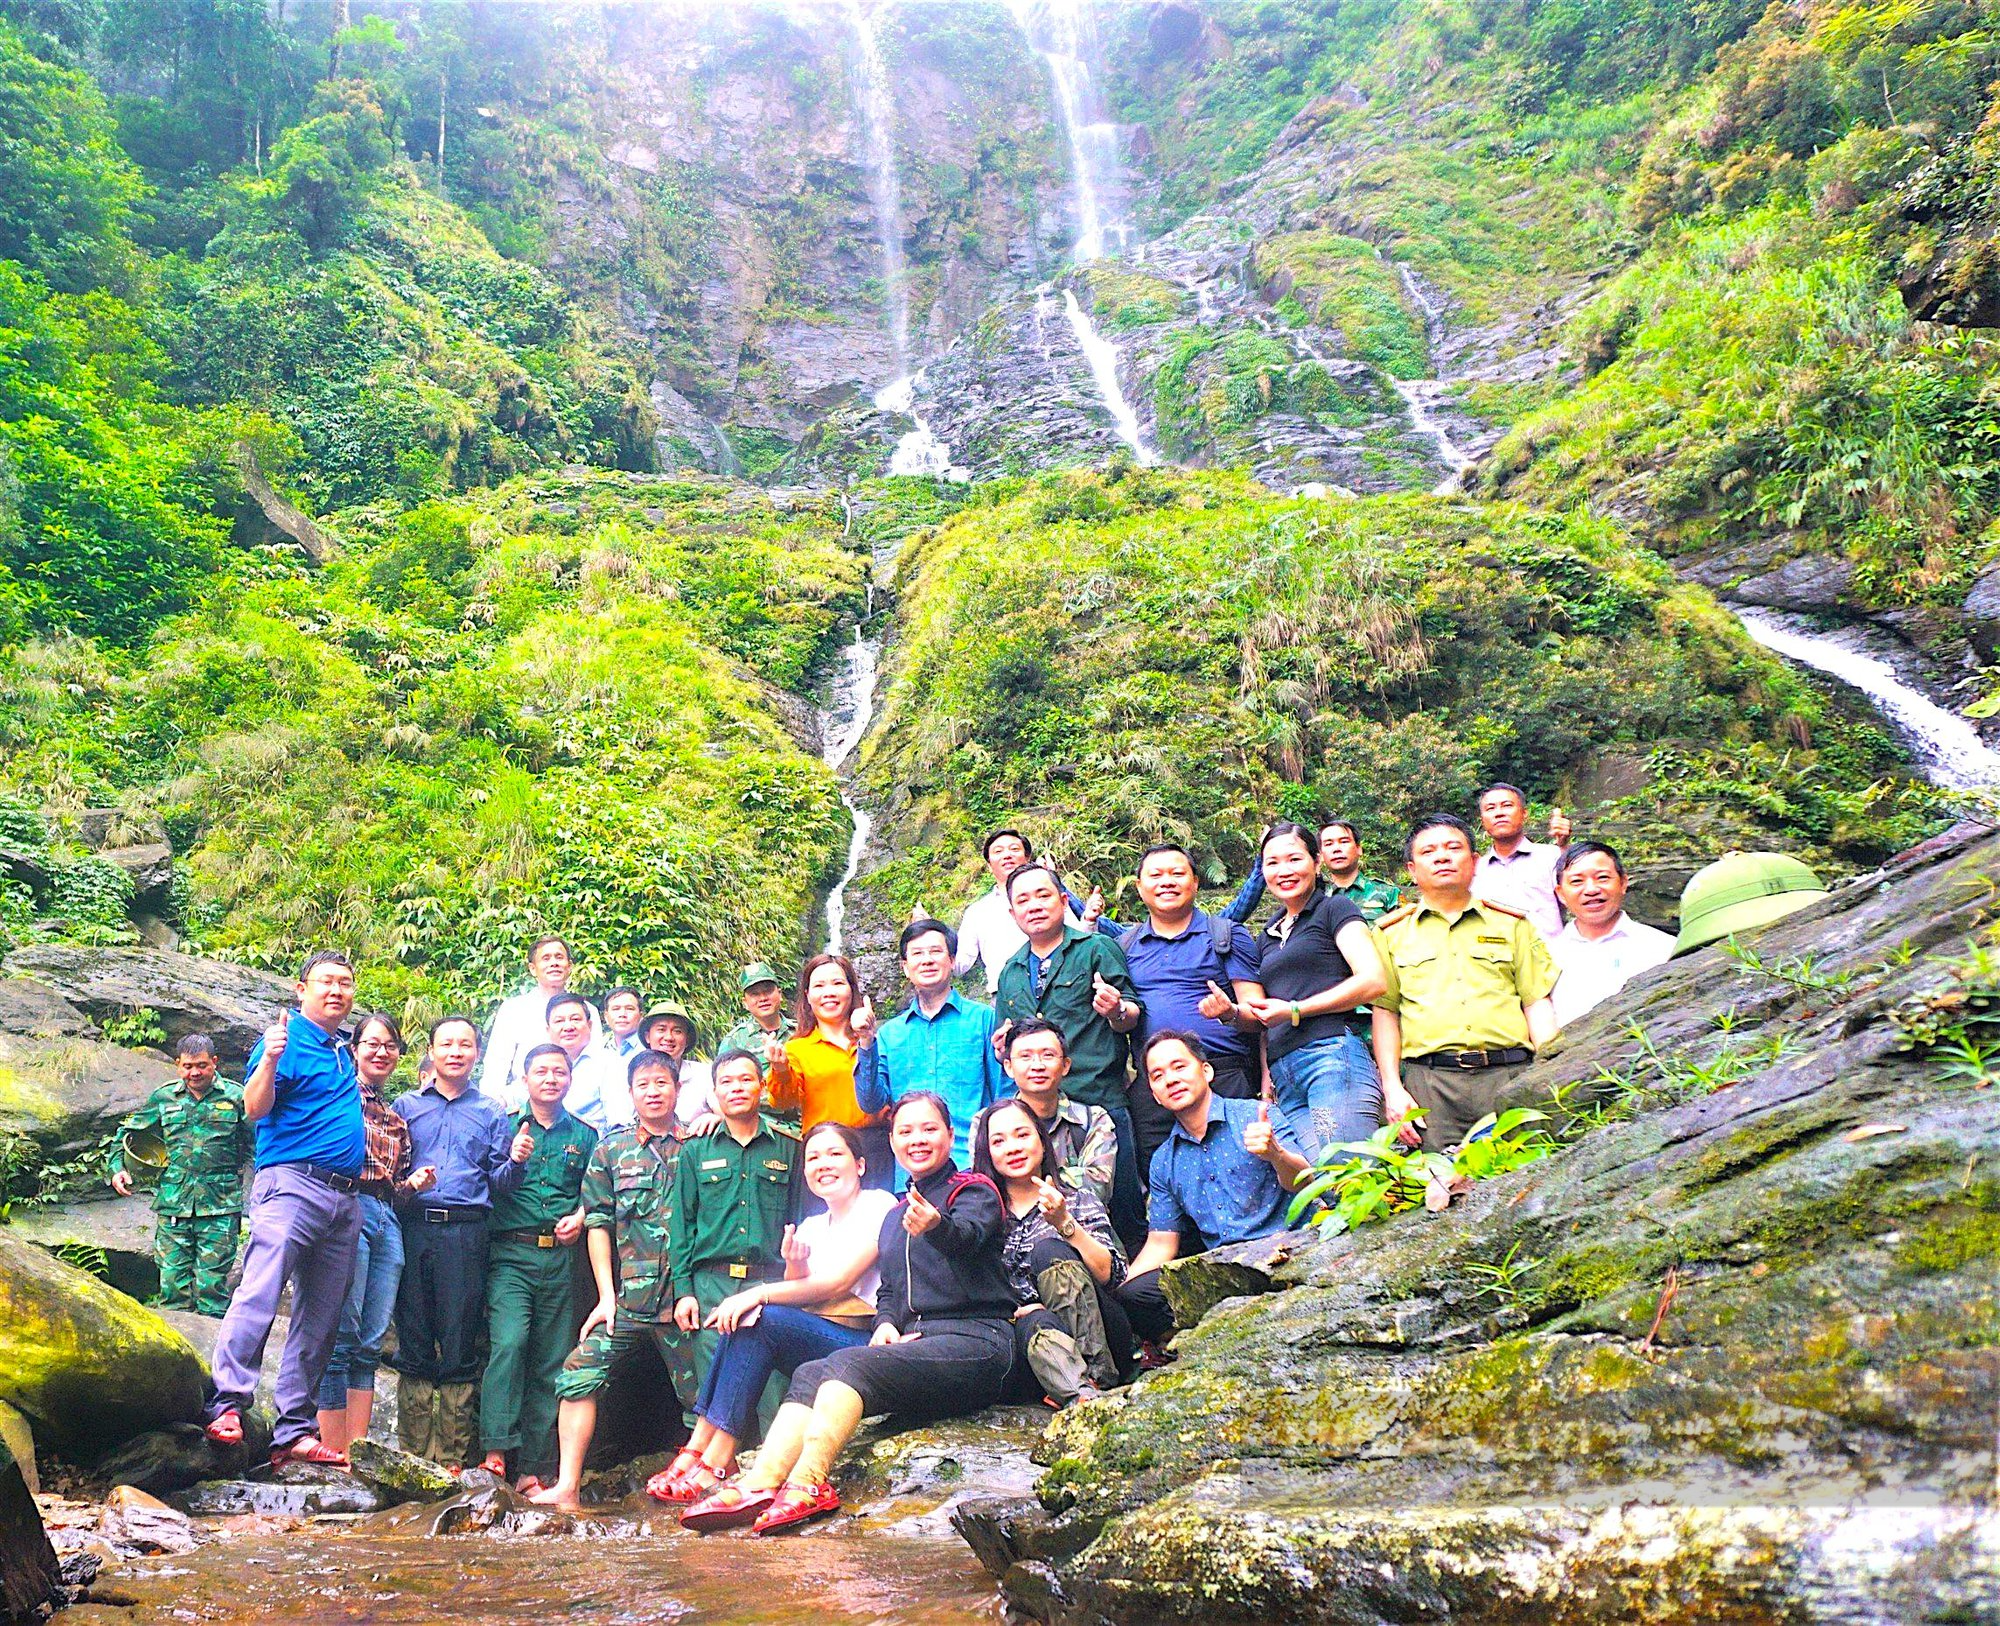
(1067, 1229)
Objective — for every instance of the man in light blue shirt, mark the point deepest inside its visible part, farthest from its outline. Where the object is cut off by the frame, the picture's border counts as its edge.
(940, 1041)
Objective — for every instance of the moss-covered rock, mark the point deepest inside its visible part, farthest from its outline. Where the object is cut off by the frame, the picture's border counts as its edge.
(86, 1365)
(1751, 1377)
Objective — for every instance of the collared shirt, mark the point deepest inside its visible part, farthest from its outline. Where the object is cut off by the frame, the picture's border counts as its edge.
(1594, 970)
(519, 1024)
(624, 1049)
(628, 1190)
(598, 1092)
(467, 1138)
(1096, 1053)
(1372, 897)
(1086, 1143)
(1230, 1195)
(1302, 957)
(1525, 882)
(749, 1034)
(208, 1140)
(1459, 982)
(696, 1095)
(387, 1163)
(552, 1177)
(1024, 1231)
(818, 1082)
(317, 1116)
(1172, 975)
(989, 937)
(732, 1198)
(951, 1053)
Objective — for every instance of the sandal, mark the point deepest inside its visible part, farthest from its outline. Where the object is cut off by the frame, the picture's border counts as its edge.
(796, 1504)
(664, 1485)
(309, 1449)
(226, 1427)
(727, 1507)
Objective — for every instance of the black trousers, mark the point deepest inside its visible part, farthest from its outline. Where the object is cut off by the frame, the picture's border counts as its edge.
(956, 1368)
(441, 1302)
(1146, 1307)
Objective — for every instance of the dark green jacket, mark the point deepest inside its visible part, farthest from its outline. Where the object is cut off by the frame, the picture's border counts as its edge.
(628, 1190)
(732, 1199)
(208, 1142)
(551, 1178)
(1097, 1056)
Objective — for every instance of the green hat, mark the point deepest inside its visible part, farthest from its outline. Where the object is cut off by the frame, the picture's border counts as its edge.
(758, 971)
(1740, 892)
(679, 1012)
(145, 1148)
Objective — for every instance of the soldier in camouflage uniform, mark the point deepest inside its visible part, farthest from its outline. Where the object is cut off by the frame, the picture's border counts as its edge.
(628, 1207)
(199, 1201)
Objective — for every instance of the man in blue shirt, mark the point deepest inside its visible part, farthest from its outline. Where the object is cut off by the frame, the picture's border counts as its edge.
(1190, 969)
(940, 1041)
(1223, 1171)
(305, 1214)
(464, 1138)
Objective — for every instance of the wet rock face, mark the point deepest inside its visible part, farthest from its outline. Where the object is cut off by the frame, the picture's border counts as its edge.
(232, 1004)
(29, 1573)
(1749, 1375)
(163, 1462)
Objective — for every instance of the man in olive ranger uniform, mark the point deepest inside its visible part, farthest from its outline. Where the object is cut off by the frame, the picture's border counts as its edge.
(628, 1208)
(734, 1193)
(199, 1201)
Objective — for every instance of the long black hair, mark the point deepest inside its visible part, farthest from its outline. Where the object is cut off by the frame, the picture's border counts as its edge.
(982, 1154)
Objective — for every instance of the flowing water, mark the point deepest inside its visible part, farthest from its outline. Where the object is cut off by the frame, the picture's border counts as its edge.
(1422, 395)
(1063, 33)
(847, 720)
(1946, 744)
(1103, 358)
(920, 450)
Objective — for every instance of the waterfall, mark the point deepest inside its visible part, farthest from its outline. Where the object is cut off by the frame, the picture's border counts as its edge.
(1063, 33)
(1103, 359)
(846, 721)
(920, 451)
(1422, 395)
(1948, 746)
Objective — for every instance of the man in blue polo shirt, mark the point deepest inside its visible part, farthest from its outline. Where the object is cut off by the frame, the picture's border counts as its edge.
(940, 1042)
(1190, 969)
(305, 1214)
(1223, 1169)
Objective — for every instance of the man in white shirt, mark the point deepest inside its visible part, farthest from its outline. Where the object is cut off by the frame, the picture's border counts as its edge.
(1514, 872)
(522, 1022)
(621, 1009)
(987, 934)
(1602, 948)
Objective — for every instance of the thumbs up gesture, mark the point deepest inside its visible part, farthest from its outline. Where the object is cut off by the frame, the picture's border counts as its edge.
(1093, 909)
(1215, 1004)
(524, 1145)
(863, 1022)
(1054, 1205)
(918, 1215)
(1104, 999)
(1259, 1139)
(1559, 827)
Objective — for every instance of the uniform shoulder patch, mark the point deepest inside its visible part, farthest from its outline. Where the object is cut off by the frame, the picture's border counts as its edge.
(1396, 915)
(1502, 909)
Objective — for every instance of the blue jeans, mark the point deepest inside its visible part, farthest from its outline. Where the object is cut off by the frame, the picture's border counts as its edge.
(371, 1303)
(1328, 1091)
(781, 1339)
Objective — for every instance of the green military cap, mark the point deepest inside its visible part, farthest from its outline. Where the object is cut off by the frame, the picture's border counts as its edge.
(758, 971)
(1740, 892)
(679, 1012)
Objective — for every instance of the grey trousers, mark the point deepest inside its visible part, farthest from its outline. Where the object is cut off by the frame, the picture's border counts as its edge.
(303, 1232)
(1454, 1099)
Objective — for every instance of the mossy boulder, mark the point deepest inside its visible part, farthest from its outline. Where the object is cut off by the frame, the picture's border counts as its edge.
(1750, 1374)
(29, 1572)
(397, 1476)
(86, 1365)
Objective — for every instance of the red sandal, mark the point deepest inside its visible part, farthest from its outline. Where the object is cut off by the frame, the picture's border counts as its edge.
(226, 1427)
(713, 1512)
(665, 1485)
(309, 1450)
(795, 1505)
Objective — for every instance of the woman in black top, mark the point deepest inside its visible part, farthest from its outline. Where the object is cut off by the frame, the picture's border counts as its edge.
(1064, 1260)
(943, 1341)
(1319, 965)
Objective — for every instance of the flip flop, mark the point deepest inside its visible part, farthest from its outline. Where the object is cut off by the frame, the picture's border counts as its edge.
(795, 1505)
(309, 1450)
(226, 1427)
(712, 1512)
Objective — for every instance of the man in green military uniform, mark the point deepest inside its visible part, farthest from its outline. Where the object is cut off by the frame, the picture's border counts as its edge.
(530, 1285)
(1468, 999)
(1340, 861)
(628, 1209)
(199, 1200)
(733, 1193)
(766, 1018)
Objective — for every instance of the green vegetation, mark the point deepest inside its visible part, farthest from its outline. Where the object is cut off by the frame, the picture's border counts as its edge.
(1380, 1177)
(1138, 655)
(1343, 285)
(1213, 388)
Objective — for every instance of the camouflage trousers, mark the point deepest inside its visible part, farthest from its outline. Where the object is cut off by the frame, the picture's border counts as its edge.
(195, 1253)
(589, 1368)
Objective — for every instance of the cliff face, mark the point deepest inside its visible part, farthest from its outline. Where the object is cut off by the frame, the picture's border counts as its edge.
(1747, 1372)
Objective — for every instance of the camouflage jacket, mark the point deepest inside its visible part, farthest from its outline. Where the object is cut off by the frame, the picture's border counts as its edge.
(208, 1142)
(628, 1189)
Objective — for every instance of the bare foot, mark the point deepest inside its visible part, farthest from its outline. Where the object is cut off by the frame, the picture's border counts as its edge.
(559, 1496)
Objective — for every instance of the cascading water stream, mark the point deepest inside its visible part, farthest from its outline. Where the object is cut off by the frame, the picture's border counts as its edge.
(1103, 359)
(847, 719)
(1948, 746)
(1421, 395)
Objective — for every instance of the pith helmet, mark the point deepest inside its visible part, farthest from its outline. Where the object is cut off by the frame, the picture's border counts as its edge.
(1740, 892)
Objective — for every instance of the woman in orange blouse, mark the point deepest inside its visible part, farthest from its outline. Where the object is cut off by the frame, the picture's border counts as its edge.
(814, 1071)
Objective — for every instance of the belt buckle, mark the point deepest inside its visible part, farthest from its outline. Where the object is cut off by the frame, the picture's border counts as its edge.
(437, 1216)
(1470, 1061)
(739, 1273)
(542, 1240)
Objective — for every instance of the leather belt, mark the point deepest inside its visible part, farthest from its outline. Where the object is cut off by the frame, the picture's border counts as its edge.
(450, 1215)
(330, 1177)
(537, 1239)
(744, 1270)
(1472, 1061)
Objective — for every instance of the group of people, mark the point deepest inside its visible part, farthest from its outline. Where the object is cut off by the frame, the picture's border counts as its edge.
(839, 1215)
